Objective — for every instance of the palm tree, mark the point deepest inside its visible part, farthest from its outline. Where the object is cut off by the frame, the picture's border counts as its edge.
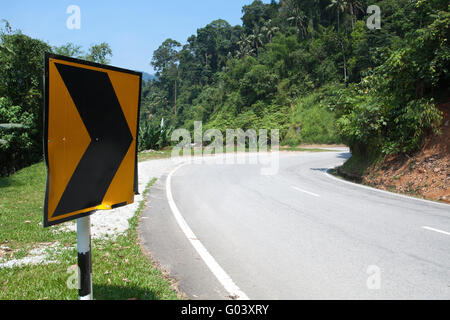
(269, 30)
(354, 6)
(299, 18)
(256, 38)
(341, 44)
(245, 44)
(340, 6)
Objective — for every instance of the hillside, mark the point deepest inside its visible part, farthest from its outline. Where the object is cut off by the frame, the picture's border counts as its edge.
(314, 70)
(425, 174)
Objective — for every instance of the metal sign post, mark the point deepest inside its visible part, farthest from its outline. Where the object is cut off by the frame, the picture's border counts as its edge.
(84, 258)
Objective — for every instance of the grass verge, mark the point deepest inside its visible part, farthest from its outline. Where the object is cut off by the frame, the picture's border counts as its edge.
(167, 153)
(120, 269)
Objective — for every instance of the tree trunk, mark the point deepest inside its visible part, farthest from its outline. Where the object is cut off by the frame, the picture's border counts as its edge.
(175, 107)
(345, 60)
(352, 17)
(338, 18)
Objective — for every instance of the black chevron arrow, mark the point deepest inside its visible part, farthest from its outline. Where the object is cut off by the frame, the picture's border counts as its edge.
(102, 115)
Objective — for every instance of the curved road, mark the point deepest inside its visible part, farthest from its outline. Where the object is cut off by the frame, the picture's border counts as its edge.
(299, 234)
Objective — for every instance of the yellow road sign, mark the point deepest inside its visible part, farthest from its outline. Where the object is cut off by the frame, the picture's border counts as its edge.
(90, 137)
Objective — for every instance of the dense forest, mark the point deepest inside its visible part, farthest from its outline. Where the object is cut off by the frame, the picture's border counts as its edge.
(311, 68)
(320, 71)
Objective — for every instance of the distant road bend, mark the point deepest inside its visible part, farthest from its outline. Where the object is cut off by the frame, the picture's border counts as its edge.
(299, 234)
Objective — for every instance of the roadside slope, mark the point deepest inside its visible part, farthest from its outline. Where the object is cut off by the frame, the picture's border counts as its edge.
(426, 174)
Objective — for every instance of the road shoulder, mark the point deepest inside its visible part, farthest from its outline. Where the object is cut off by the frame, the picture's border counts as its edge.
(162, 238)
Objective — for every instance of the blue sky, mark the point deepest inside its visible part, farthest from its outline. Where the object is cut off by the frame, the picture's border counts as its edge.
(133, 28)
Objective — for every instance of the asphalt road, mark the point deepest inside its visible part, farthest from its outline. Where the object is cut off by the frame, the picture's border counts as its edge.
(299, 234)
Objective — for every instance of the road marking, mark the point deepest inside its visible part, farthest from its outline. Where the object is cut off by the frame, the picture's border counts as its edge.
(212, 264)
(304, 191)
(436, 230)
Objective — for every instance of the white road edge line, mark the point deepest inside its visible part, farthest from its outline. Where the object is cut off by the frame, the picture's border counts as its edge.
(304, 191)
(436, 230)
(212, 264)
(384, 191)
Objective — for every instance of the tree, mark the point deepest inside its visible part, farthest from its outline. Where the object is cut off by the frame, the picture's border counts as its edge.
(17, 148)
(339, 6)
(99, 53)
(166, 62)
(256, 13)
(245, 46)
(354, 6)
(9, 126)
(21, 87)
(165, 56)
(69, 50)
(269, 30)
(213, 43)
(341, 45)
(293, 13)
(256, 38)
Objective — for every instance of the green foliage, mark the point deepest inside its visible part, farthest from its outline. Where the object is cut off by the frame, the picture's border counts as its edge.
(21, 88)
(313, 121)
(21, 60)
(409, 126)
(152, 136)
(392, 109)
(361, 120)
(257, 84)
(99, 53)
(311, 69)
(377, 85)
(370, 122)
(69, 50)
(15, 140)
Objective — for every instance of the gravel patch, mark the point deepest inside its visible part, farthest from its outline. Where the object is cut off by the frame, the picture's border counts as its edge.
(42, 254)
(104, 224)
(112, 223)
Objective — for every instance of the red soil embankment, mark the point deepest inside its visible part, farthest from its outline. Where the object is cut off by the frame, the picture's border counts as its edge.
(425, 174)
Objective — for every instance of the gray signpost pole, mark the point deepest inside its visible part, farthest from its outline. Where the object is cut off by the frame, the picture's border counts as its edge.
(84, 258)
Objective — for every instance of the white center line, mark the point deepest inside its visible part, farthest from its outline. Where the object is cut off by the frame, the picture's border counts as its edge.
(304, 191)
(437, 230)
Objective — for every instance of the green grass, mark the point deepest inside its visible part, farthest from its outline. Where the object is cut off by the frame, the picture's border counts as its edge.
(167, 153)
(312, 121)
(124, 272)
(120, 269)
(162, 154)
(357, 165)
(21, 210)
